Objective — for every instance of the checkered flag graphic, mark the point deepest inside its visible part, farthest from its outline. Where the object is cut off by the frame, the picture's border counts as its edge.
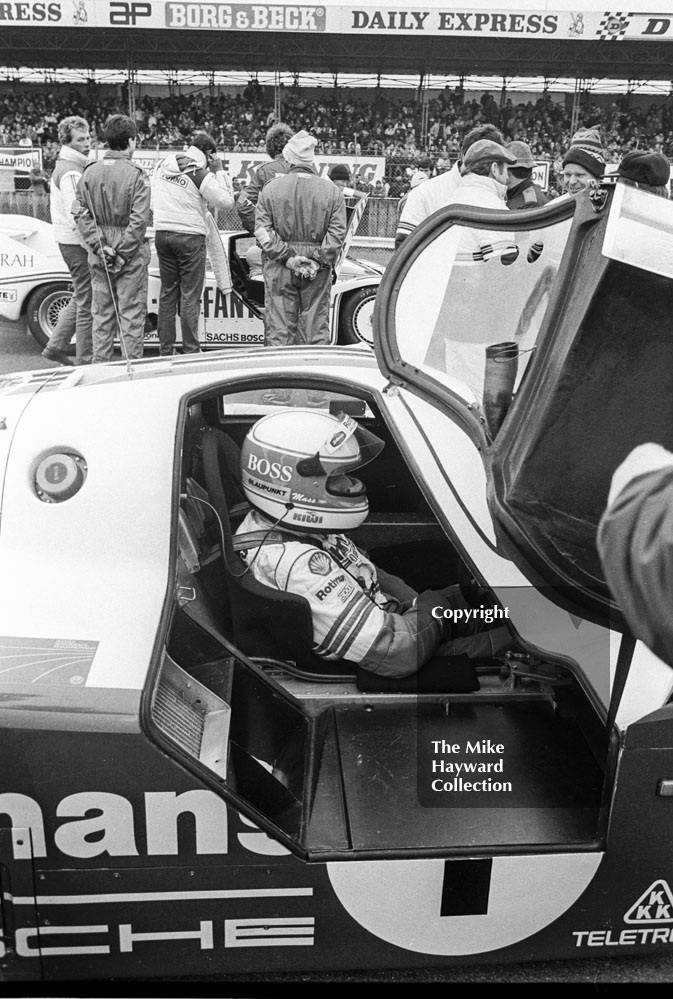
(613, 25)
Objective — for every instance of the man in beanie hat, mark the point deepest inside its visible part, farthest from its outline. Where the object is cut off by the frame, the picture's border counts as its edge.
(648, 171)
(522, 191)
(341, 176)
(584, 163)
(300, 225)
(276, 137)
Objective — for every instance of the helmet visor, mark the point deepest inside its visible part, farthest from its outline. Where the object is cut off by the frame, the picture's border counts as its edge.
(328, 460)
(345, 486)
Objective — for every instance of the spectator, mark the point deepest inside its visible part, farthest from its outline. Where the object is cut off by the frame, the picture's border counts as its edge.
(483, 185)
(438, 191)
(634, 542)
(184, 185)
(417, 177)
(584, 163)
(300, 225)
(522, 191)
(76, 318)
(341, 176)
(253, 255)
(39, 181)
(276, 138)
(112, 211)
(647, 171)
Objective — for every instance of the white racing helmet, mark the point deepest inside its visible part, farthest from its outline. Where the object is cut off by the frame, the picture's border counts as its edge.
(295, 465)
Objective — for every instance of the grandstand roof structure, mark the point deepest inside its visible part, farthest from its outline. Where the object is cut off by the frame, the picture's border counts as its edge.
(545, 38)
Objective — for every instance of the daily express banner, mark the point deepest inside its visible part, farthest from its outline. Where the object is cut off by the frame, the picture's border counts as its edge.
(242, 165)
(359, 19)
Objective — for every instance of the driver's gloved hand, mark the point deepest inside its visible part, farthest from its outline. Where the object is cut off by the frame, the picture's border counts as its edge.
(478, 596)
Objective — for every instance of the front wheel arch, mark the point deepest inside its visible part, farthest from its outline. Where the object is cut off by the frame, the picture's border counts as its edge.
(355, 316)
(45, 305)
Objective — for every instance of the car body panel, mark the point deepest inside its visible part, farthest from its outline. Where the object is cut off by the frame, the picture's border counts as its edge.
(174, 806)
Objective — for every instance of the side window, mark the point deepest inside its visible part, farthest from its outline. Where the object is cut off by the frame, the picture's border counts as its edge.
(485, 310)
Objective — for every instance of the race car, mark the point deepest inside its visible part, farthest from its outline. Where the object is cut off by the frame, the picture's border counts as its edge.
(35, 282)
(189, 789)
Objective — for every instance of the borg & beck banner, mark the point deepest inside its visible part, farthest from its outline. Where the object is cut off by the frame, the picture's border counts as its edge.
(450, 19)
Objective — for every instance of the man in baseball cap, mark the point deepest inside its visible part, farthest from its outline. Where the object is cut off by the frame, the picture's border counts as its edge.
(522, 191)
(485, 152)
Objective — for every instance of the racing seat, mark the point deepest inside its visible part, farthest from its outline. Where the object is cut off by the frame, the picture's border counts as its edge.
(275, 625)
(266, 623)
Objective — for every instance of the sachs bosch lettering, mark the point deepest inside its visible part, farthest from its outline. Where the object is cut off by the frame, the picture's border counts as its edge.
(254, 17)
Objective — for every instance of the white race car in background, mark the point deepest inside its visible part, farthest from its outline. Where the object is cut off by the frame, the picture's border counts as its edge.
(35, 282)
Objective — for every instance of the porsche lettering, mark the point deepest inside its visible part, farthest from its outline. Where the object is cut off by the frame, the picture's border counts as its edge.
(262, 931)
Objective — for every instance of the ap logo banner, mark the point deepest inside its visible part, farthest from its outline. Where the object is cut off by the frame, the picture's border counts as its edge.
(655, 906)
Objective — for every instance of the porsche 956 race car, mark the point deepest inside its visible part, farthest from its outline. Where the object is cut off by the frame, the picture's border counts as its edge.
(35, 282)
(189, 789)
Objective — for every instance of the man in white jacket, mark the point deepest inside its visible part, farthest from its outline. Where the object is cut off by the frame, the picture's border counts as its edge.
(483, 184)
(185, 184)
(73, 134)
(423, 200)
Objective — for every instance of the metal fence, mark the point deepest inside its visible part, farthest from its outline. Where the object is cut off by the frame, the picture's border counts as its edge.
(379, 219)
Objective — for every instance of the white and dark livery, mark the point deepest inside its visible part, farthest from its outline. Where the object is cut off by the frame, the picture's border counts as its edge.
(188, 789)
(35, 282)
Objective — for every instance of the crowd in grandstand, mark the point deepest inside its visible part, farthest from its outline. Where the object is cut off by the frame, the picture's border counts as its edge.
(342, 122)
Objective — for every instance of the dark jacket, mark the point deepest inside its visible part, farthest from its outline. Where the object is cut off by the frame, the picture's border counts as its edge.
(527, 194)
(300, 212)
(262, 175)
(113, 204)
(635, 541)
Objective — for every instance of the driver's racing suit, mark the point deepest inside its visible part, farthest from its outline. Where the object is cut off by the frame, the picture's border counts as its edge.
(360, 612)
